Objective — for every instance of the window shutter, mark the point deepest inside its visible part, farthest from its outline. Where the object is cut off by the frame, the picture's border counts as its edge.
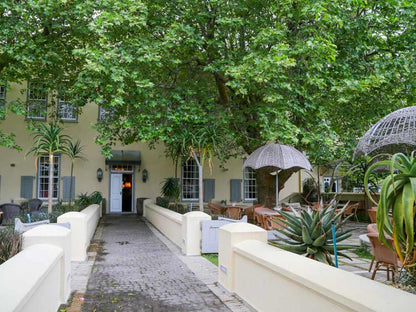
(235, 190)
(65, 188)
(209, 189)
(26, 187)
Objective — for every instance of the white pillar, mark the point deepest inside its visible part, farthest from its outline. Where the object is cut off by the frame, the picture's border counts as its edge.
(59, 236)
(191, 232)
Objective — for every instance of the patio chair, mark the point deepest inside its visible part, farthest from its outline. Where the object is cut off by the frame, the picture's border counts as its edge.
(34, 205)
(350, 210)
(10, 211)
(384, 256)
(216, 209)
(372, 213)
(258, 218)
(249, 212)
(234, 212)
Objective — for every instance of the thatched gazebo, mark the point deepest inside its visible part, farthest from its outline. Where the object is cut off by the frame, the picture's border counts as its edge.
(396, 132)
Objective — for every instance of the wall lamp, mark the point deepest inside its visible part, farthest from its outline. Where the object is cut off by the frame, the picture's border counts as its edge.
(145, 175)
(99, 174)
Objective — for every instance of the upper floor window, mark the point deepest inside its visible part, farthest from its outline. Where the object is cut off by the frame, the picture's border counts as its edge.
(67, 111)
(37, 98)
(2, 94)
(43, 176)
(103, 114)
(2, 99)
(250, 185)
(190, 180)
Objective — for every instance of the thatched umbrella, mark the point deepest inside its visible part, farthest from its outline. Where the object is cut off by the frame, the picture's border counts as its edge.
(393, 133)
(279, 156)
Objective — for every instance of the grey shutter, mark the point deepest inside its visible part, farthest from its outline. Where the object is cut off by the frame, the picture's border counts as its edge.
(235, 190)
(65, 188)
(209, 189)
(26, 187)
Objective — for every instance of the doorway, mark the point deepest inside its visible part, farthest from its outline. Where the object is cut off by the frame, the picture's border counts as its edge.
(121, 189)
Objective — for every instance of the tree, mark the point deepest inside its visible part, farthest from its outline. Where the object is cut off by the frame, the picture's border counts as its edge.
(74, 152)
(49, 140)
(303, 73)
(200, 143)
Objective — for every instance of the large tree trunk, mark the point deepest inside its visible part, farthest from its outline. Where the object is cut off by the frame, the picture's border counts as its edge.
(266, 184)
(50, 183)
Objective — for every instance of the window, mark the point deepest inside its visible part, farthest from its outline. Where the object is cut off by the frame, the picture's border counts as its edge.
(37, 98)
(327, 185)
(190, 182)
(250, 186)
(2, 100)
(2, 94)
(103, 114)
(66, 111)
(43, 176)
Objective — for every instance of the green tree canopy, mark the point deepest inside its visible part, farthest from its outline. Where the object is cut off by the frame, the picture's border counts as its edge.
(312, 74)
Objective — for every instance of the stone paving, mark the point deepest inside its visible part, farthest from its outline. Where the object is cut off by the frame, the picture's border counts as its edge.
(135, 271)
(136, 268)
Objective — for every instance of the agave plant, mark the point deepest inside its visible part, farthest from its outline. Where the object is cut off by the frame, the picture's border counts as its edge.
(398, 196)
(309, 233)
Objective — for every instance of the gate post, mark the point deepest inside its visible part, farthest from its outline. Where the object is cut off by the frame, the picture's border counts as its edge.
(191, 232)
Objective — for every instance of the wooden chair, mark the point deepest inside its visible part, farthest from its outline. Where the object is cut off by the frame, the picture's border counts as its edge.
(383, 256)
(216, 209)
(234, 212)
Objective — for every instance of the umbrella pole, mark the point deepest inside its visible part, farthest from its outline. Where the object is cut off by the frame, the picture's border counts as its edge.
(277, 189)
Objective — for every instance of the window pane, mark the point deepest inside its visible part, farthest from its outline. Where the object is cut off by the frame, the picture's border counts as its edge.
(37, 98)
(66, 111)
(43, 177)
(250, 186)
(190, 182)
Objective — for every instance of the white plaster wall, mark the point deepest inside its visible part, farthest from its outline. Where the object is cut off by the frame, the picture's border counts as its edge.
(271, 279)
(166, 221)
(30, 280)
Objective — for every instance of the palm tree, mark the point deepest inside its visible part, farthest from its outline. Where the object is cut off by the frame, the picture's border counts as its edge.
(49, 140)
(74, 152)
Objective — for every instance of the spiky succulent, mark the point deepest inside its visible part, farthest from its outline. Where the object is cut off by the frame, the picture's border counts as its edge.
(309, 233)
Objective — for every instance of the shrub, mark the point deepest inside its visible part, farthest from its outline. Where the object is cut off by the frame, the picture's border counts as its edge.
(84, 200)
(162, 202)
(10, 243)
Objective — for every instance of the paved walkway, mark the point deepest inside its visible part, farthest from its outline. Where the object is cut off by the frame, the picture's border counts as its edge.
(135, 271)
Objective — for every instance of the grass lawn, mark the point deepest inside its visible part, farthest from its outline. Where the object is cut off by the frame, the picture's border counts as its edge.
(211, 257)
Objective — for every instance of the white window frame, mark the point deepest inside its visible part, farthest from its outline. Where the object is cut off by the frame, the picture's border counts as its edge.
(103, 114)
(249, 178)
(3, 91)
(190, 180)
(36, 102)
(67, 111)
(43, 174)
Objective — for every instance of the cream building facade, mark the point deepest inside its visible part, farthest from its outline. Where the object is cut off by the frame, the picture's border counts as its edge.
(136, 170)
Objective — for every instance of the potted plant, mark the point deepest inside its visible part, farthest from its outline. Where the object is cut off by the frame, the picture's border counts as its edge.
(398, 197)
(171, 190)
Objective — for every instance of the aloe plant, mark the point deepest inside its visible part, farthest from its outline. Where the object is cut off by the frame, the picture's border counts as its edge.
(398, 196)
(309, 233)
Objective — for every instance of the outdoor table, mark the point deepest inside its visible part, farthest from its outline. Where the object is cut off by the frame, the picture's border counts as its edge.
(265, 216)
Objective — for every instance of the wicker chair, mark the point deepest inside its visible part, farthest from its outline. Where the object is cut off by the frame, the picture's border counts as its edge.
(384, 256)
(350, 210)
(249, 212)
(234, 212)
(10, 211)
(216, 209)
(34, 204)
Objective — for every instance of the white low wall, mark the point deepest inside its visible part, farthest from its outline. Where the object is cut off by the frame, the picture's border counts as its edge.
(83, 225)
(30, 281)
(271, 279)
(183, 230)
